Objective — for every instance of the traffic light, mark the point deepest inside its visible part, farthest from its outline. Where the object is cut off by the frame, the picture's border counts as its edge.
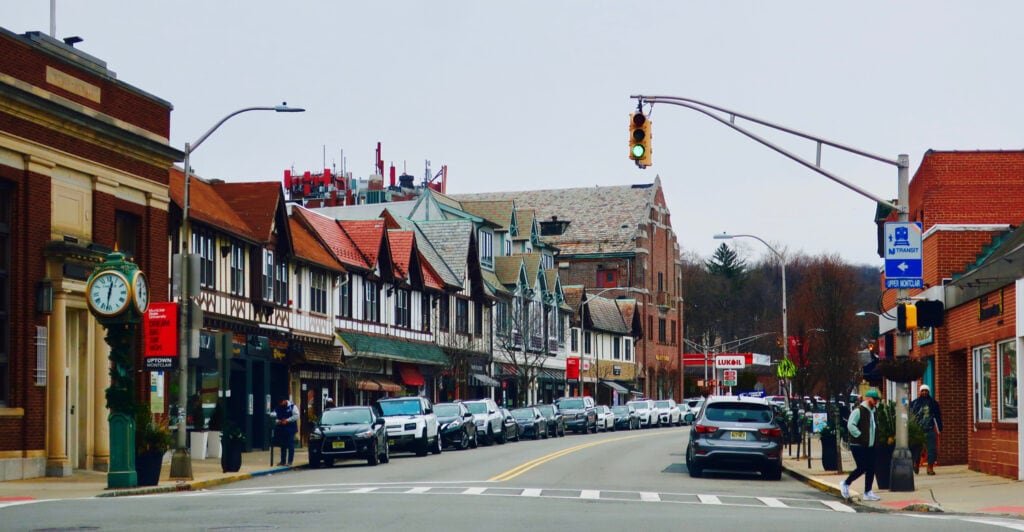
(906, 317)
(930, 313)
(640, 139)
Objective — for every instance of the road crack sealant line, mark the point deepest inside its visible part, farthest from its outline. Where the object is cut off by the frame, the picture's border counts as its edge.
(523, 468)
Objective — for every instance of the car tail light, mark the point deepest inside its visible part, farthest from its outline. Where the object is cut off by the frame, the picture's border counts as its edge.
(775, 433)
(705, 429)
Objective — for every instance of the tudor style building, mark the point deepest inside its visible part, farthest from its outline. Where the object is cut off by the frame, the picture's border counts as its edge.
(83, 170)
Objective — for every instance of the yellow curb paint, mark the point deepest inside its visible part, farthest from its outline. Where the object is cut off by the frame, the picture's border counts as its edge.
(523, 468)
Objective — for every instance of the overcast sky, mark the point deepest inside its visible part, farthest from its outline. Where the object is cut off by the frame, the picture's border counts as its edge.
(531, 95)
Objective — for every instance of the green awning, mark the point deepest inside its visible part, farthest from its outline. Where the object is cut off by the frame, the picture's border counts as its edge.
(357, 344)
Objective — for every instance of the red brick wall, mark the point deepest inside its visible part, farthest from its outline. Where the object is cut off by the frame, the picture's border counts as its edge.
(968, 188)
(992, 446)
(28, 64)
(30, 231)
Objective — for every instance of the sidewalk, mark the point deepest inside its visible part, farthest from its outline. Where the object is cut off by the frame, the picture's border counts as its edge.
(83, 483)
(953, 489)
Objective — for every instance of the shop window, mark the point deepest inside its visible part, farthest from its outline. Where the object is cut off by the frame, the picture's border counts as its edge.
(1007, 372)
(318, 291)
(462, 316)
(982, 383)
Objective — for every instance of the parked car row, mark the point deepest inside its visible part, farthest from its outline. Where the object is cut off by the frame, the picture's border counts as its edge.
(414, 424)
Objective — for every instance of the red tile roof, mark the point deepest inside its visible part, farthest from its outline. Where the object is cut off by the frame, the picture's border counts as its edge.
(401, 251)
(329, 233)
(308, 248)
(207, 206)
(367, 235)
(255, 203)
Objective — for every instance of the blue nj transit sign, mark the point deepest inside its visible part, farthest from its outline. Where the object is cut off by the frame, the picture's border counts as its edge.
(903, 255)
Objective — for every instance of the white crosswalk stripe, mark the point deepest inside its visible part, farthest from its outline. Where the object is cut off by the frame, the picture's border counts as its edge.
(787, 503)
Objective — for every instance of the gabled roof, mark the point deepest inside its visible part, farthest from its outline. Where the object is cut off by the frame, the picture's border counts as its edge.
(403, 254)
(308, 248)
(329, 233)
(498, 211)
(260, 205)
(628, 309)
(451, 240)
(367, 236)
(532, 262)
(508, 269)
(207, 206)
(439, 266)
(527, 224)
(603, 315)
(601, 220)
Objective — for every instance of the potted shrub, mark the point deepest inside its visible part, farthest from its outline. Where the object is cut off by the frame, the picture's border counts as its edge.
(885, 441)
(902, 369)
(198, 437)
(916, 440)
(232, 441)
(152, 439)
(216, 424)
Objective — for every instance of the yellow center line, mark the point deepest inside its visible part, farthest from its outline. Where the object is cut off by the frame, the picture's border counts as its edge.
(523, 468)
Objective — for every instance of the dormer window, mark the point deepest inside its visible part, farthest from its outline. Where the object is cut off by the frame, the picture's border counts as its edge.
(486, 242)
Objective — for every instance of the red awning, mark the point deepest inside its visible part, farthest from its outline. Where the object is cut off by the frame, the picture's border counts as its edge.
(411, 375)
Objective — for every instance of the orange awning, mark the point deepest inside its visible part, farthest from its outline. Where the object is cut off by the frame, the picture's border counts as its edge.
(411, 375)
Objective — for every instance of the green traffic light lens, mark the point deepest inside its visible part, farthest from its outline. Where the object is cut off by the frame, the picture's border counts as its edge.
(638, 151)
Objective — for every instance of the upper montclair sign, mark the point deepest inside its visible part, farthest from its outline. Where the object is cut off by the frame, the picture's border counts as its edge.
(730, 361)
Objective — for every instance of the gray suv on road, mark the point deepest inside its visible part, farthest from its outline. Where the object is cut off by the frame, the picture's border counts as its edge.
(734, 432)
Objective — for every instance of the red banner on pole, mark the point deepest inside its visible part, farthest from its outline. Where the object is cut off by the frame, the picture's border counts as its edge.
(160, 330)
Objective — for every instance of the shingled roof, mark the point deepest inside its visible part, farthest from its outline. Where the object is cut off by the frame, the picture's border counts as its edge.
(497, 211)
(602, 219)
(309, 249)
(207, 206)
(257, 204)
(330, 234)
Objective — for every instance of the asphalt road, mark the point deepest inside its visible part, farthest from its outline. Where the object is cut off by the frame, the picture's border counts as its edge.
(608, 481)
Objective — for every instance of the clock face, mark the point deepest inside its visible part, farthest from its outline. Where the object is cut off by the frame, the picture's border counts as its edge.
(108, 293)
(140, 292)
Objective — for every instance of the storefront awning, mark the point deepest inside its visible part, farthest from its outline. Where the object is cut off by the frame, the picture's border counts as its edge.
(479, 379)
(615, 386)
(397, 349)
(373, 385)
(551, 375)
(410, 373)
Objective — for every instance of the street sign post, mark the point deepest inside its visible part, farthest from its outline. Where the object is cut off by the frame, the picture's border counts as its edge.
(903, 263)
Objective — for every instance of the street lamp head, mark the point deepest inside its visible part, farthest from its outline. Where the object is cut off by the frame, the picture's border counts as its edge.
(861, 313)
(283, 108)
(723, 236)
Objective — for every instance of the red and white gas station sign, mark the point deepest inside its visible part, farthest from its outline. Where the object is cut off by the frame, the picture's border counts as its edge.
(730, 362)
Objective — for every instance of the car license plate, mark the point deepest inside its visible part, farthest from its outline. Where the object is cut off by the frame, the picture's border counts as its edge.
(338, 445)
(391, 442)
(737, 435)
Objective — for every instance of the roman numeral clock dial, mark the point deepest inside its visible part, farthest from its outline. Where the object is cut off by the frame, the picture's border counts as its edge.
(109, 294)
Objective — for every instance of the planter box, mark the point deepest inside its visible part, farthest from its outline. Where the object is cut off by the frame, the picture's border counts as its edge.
(213, 448)
(197, 445)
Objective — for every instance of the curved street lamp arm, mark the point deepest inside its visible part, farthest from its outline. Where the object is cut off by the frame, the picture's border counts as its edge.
(278, 108)
(701, 108)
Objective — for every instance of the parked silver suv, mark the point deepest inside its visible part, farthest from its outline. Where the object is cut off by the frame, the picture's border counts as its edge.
(736, 433)
(490, 424)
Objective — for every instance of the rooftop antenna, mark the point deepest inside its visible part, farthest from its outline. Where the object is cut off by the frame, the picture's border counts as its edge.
(426, 172)
(325, 156)
(53, 18)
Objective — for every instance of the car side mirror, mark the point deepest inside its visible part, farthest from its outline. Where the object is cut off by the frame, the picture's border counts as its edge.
(378, 421)
(492, 411)
(467, 415)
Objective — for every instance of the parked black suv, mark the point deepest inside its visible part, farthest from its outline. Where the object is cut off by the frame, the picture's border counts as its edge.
(579, 413)
(733, 432)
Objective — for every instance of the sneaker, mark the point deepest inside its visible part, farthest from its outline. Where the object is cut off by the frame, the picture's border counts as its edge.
(844, 488)
(870, 496)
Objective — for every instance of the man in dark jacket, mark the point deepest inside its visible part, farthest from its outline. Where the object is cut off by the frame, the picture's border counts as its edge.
(929, 417)
(287, 415)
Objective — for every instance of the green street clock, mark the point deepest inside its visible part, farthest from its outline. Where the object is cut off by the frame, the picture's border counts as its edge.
(117, 291)
(140, 292)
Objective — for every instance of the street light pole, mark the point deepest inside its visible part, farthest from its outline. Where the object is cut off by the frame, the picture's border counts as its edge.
(902, 478)
(785, 315)
(583, 331)
(181, 463)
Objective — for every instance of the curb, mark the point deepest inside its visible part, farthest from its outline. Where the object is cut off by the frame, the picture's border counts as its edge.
(193, 485)
(832, 490)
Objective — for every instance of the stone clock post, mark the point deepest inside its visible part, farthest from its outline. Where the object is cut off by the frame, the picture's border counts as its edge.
(118, 297)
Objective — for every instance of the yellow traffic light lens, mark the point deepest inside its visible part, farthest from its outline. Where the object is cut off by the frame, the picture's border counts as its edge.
(638, 151)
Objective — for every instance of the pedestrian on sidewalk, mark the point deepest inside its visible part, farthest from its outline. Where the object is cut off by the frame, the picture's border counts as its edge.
(861, 427)
(284, 431)
(929, 418)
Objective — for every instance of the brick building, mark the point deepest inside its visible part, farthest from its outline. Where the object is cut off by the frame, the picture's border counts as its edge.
(969, 204)
(83, 169)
